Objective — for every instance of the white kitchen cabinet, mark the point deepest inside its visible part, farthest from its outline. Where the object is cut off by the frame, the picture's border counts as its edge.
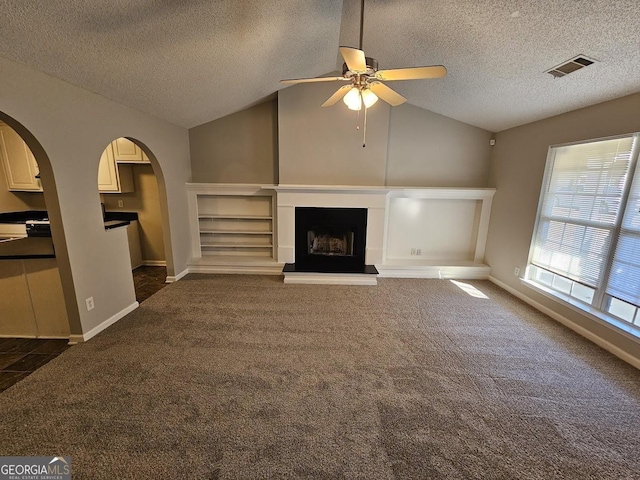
(19, 164)
(32, 304)
(113, 178)
(125, 151)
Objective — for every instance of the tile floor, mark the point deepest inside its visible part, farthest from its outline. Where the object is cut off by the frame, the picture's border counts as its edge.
(20, 357)
(148, 280)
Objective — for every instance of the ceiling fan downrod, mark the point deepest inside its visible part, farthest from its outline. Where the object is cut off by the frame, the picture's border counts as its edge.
(361, 22)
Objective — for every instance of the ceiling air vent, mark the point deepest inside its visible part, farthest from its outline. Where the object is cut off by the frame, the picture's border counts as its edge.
(570, 66)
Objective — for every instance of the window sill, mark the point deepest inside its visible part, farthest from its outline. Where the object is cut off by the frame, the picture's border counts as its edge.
(627, 329)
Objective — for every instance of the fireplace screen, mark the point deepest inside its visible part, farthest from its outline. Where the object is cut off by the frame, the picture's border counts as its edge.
(323, 241)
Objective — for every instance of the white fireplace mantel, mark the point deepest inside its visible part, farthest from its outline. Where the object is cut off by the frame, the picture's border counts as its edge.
(289, 197)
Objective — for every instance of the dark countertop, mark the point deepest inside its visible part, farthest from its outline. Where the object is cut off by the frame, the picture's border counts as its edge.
(22, 217)
(123, 216)
(118, 219)
(111, 219)
(108, 225)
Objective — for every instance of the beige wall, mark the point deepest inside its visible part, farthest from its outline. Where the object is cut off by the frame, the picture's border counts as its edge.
(517, 167)
(239, 148)
(321, 146)
(69, 127)
(18, 201)
(431, 150)
(145, 201)
(406, 145)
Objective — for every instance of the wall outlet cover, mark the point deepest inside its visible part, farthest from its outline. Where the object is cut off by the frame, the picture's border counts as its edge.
(90, 304)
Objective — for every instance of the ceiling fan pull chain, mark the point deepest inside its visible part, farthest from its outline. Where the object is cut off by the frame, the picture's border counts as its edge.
(364, 130)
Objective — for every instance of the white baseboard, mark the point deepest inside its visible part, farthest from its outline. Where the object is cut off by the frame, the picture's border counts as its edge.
(462, 272)
(154, 263)
(608, 346)
(175, 278)
(73, 339)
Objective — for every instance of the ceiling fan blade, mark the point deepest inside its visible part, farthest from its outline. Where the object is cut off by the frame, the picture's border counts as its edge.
(387, 94)
(310, 80)
(354, 59)
(412, 73)
(341, 92)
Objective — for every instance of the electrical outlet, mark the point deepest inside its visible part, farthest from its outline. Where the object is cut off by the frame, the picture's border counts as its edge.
(120, 203)
(418, 251)
(90, 304)
(413, 251)
(516, 271)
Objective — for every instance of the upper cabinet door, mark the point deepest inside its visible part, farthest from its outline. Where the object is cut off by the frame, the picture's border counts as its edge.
(125, 151)
(113, 178)
(19, 164)
(108, 181)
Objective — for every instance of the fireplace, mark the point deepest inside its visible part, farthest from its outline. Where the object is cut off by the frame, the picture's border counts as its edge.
(331, 240)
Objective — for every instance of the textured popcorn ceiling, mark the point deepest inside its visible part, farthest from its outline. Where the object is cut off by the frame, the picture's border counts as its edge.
(193, 61)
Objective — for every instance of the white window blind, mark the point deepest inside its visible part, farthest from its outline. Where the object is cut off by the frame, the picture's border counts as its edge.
(580, 202)
(624, 277)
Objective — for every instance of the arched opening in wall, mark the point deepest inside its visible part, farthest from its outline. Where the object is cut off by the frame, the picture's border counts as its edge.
(36, 287)
(130, 191)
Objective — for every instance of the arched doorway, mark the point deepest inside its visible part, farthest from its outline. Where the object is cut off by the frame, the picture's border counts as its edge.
(130, 190)
(35, 281)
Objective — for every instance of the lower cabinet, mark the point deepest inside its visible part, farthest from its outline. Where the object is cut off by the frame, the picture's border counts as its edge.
(32, 303)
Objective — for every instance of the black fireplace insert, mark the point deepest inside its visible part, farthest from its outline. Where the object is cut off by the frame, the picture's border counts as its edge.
(330, 239)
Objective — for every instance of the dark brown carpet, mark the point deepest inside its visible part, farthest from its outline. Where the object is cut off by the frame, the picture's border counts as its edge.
(241, 377)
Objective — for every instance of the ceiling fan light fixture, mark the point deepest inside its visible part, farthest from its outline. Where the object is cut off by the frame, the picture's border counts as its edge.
(354, 98)
(369, 98)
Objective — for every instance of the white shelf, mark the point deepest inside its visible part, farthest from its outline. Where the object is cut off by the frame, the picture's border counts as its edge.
(235, 223)
(236, 232)
(235, 245)
(235, 217)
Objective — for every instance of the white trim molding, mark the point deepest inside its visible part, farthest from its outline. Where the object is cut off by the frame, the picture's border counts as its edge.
(74, 338)
(175, 278)
(442, 270)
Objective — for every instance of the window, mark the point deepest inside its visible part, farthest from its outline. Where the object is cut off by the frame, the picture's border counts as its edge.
(586, 243)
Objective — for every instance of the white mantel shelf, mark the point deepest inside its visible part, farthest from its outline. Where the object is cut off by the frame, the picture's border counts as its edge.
(411, 192)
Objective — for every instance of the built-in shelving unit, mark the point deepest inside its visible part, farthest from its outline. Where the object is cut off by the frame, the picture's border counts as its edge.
(233, 228)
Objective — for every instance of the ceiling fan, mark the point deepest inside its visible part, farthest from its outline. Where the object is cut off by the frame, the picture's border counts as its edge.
(365, 80)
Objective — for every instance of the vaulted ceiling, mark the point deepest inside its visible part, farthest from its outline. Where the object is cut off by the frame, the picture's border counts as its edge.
(193, 61)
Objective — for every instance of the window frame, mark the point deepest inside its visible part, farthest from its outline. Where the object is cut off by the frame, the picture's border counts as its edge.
(597, 309)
